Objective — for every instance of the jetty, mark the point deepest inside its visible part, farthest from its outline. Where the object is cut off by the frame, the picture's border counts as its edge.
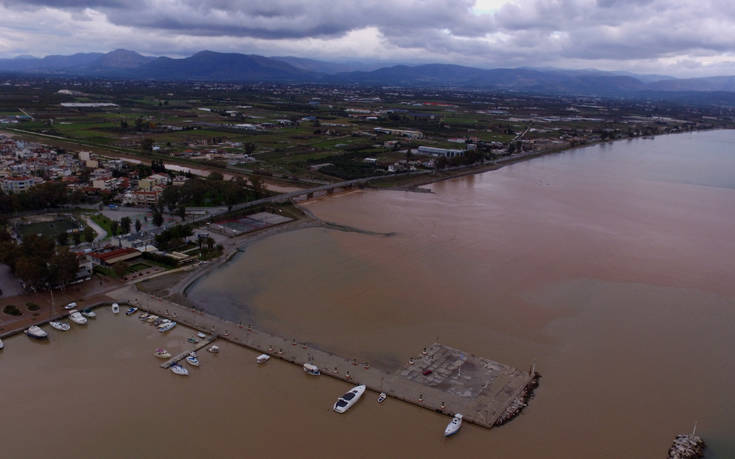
(439, 377)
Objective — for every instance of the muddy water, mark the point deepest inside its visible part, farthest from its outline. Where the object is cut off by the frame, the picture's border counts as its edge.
(610, 267)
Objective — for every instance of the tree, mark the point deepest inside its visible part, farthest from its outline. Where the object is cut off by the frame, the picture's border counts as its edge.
(62, 238)
(181, 212)
(249, 148)
(138, 225)
(119, 269)
(32, 271)
(62, 268)
(89, 234)
(258, 186)
(77, 236)
(125, 224)
(146, 145)
(157, 216)
(214, 175)
(114, 227)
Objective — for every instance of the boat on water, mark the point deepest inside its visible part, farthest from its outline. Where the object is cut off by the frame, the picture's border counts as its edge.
(143, 316)
(166, 327)
(192, 359)
(214, 349)
(311, 369)
(262, 358)
(382, 397)
(151, 318)
(201, 335)
(346, 401)
(131, 310)
(115, 308)
(77, 318)
(71, 305)
(2, 345)
(61, 326)
(162, 353)
(179, 370)
(88, 313)
(34, 331)
(453, 426)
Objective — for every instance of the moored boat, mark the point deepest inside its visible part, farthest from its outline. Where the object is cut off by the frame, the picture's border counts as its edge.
(192, 359)
(2, 346)
(77, 318)
(262, 358)
(61, 326)
(382, 397)
(143, 316)
(179, 370)
(166, 327)
(453, 425)
(151, 318)
(162, 353)
(213, 349)
(88, 313)
(131, 310)
(201, 335)
(115, 308)
(346, 401)
(71, 305)
(34, 331)
(311, 369)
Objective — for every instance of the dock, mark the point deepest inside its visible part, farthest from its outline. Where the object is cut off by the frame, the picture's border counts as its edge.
(181, 356)
(440, 378)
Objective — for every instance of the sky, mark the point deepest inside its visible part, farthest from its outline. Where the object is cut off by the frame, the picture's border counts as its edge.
(684, 38)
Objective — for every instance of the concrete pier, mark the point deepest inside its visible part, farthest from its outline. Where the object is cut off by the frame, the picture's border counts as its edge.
(441, 378)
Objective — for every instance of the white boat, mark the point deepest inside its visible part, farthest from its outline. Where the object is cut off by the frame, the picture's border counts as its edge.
(143, 316)
(37, 332)
(382, 397)
(262, 358)
(115, 308)
(61, 326)
(453, 425)
(346, 401)
(179, 370)
(311, 369)
(201, 335)
(214, 349)
(131, 310)
(192, 359)
(77, 318)
(71, 305)
(151, 318)
(88, 313)
(166, 327)
(162, 353)
(1, 344)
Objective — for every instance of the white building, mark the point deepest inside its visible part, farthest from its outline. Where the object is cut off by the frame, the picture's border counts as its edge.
(446, 152)
(18, 184)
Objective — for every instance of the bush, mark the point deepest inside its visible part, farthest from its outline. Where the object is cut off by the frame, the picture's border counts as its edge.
(12, 310)
(33, 306)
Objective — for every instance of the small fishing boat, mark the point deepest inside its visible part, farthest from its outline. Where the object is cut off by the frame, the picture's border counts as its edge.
(179, 370)
(2, 346)
(158, 322)
(166, 327)
(214, 349)
(71, 305)
(192, 340)
(88, 313)
(311, 369)
(115, 308)
(162, 353)
(34, 331)
(453, 425)
(143, 316)
(201, 335)
(131, 310)
(61, 326)
(262, 358)
(151, 318)
(77, 318)
(346, 401)
(192, 359)
(382, 397)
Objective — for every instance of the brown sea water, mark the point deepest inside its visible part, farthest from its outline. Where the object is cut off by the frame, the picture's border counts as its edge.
(610, 267)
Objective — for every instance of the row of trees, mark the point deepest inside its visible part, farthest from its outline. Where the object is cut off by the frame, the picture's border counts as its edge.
(43, 196)
(38, 262)
(212, 191)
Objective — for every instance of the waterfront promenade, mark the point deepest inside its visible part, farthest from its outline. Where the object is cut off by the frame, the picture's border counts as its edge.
(440, 378)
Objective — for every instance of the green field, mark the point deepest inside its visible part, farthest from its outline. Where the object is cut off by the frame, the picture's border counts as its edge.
(48, 229)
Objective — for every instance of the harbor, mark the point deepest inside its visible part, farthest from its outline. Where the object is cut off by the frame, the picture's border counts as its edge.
(438, 378)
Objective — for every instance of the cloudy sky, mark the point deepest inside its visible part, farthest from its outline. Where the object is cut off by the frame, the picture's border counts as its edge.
(675, 37)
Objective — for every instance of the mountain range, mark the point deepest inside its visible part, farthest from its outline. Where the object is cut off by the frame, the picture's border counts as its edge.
(235, 67)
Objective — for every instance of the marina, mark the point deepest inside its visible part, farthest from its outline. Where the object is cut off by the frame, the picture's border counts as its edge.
(479, 388)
